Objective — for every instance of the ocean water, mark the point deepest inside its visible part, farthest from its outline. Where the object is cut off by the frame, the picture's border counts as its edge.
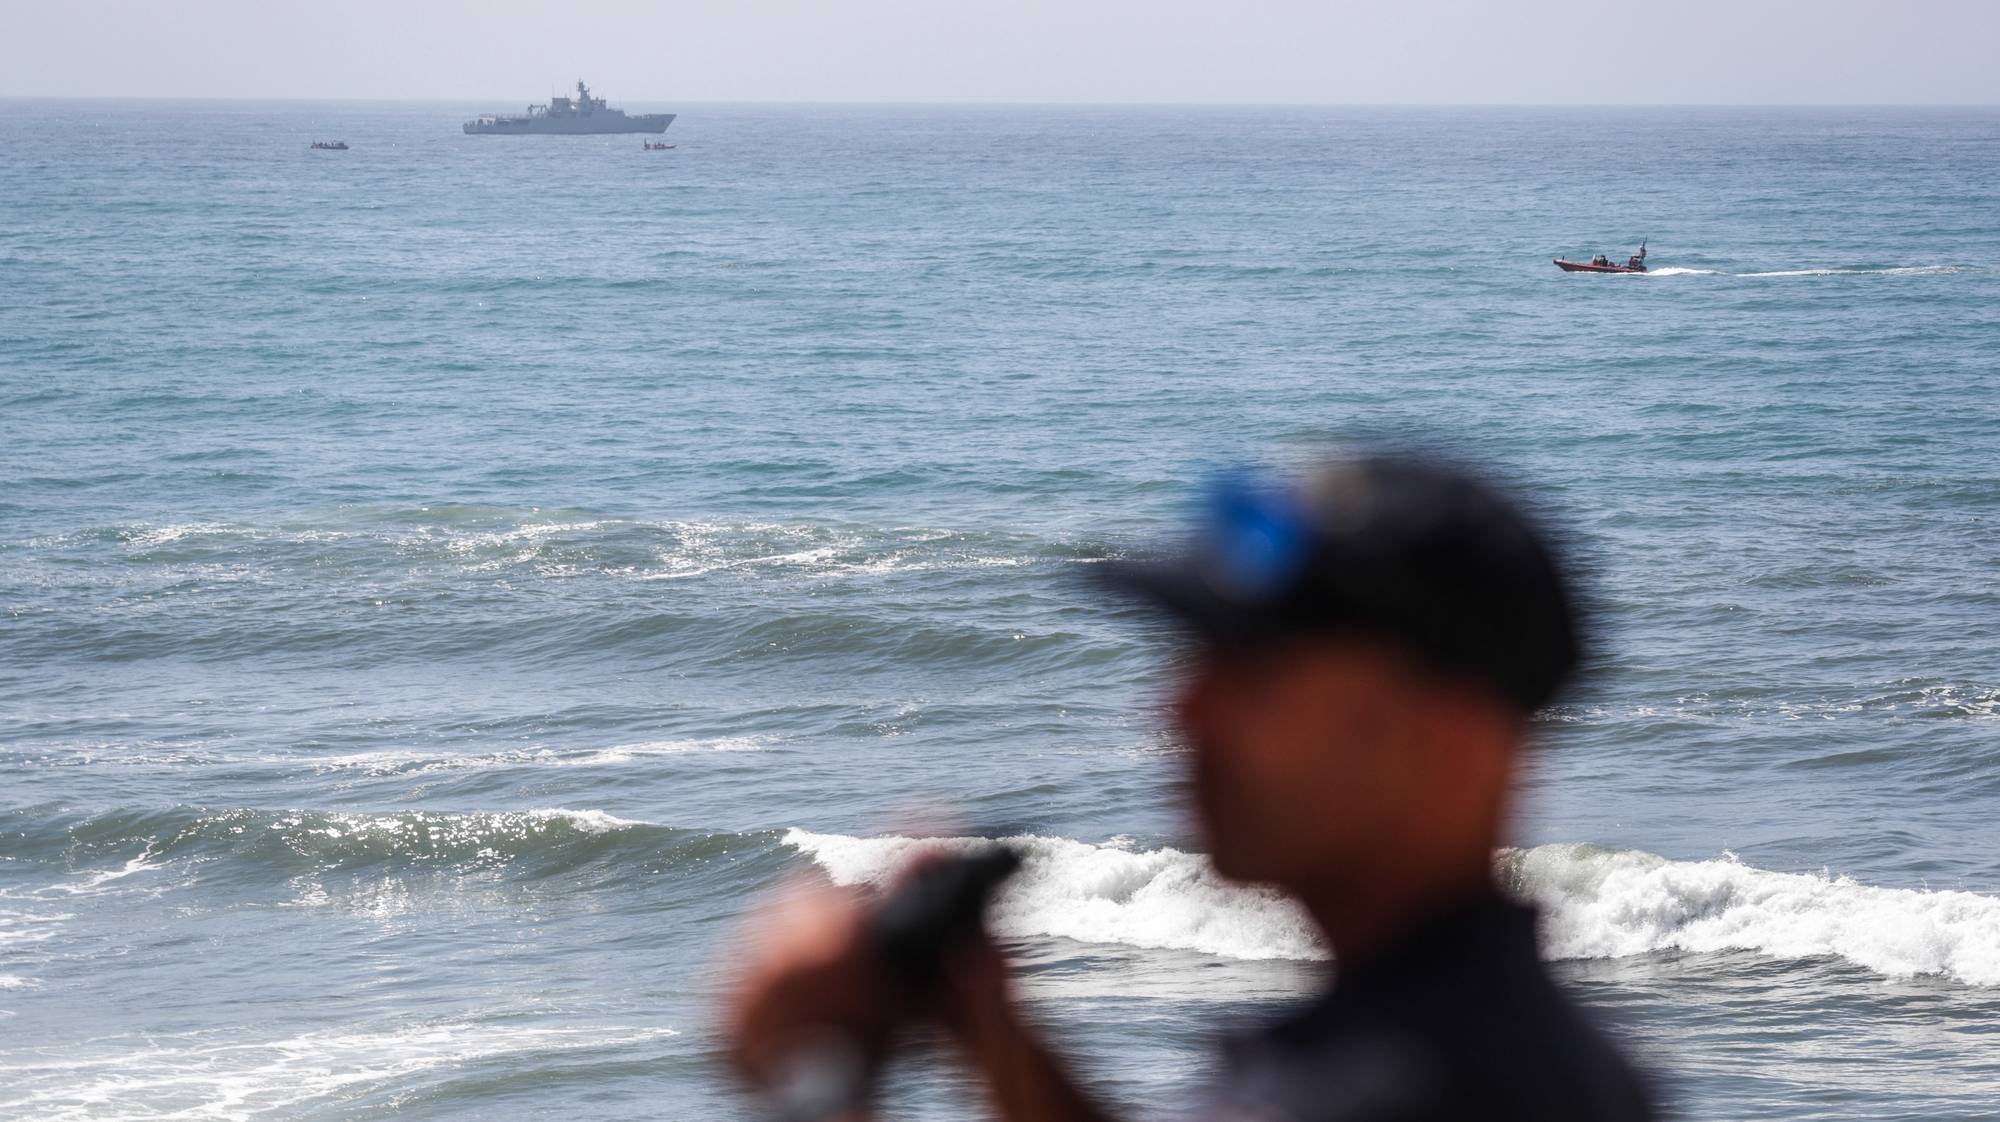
(441, 583)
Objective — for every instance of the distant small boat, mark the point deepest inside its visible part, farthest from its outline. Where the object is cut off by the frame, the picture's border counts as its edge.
(652, 147)
(330, 146)
(1602, 264)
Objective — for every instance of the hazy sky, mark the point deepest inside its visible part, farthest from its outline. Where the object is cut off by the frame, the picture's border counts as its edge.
(1437, 51)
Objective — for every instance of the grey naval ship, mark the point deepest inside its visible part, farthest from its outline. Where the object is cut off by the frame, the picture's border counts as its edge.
(582, 115)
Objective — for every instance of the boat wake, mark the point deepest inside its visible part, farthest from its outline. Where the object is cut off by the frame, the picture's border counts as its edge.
(1856, 271)
(1596, 903)
(1829, 271)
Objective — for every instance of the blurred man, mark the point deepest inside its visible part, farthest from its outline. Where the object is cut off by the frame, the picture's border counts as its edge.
(1369, 647)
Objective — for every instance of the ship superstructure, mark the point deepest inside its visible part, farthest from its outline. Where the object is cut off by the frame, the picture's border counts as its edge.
(582, 115)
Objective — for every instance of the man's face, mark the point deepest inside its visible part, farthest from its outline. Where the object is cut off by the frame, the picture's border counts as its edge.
(1303, 756)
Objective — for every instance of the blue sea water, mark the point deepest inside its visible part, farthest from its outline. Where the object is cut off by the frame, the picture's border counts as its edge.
(441, 583)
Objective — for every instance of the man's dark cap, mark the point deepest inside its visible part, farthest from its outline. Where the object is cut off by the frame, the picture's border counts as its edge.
(1388, 545)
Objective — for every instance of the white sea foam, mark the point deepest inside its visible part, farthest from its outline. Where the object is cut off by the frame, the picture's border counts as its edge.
(395, 761)
(849, 557)
(30, 927)
(1959, 699)
(210, 1078)
(555, 546)
(1836, 271)
(149, 536)
(1605, 904)
(400, 762)
(93, 883)
(1828, 271)
(589, 821)
(1808, 272)
(467, 541)
(20, 929)
(1160, 898)
(473, 825)
(1913, 696)
(620, 753)
(1597, 903)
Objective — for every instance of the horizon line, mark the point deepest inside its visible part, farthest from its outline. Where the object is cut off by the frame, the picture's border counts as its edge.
(1021, 104)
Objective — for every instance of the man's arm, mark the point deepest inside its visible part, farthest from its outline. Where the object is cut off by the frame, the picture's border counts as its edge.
(1028, 1082)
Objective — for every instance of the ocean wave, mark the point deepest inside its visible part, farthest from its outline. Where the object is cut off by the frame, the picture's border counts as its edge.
(476, 540)
(1162, 899)
(274, 844)
(1597, 903)
(1928, 698)
(381, 762)
(404, 762)
(1610, 903)
(551, 840)
(453, 583)
(214, 1076)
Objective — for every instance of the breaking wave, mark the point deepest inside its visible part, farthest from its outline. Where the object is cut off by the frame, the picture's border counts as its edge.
(1160, 898)
(1604, 903)
(1597, 903)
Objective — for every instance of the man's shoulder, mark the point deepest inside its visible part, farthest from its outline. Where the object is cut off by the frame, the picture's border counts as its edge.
(1474, 1030)
(1529, 1050)
(1377, 1064)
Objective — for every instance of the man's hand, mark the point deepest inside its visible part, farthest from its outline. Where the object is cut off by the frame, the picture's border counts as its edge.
(814, 1005)
(811, 989)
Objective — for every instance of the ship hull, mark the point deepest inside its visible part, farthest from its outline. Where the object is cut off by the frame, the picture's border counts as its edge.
(595, 124)
(1587, 267)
